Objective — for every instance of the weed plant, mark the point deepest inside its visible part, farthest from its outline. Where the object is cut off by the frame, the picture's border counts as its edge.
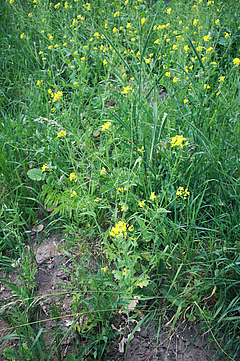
(122, 119)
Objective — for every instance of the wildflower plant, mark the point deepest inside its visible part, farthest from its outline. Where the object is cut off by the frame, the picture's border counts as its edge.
(121, 120)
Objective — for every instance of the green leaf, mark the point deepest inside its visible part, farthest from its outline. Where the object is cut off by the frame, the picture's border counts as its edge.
(71, 357)
(36, 174)
(14, 287)
(9, 353)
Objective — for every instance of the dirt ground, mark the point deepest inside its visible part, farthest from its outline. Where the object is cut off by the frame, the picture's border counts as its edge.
(150, 342)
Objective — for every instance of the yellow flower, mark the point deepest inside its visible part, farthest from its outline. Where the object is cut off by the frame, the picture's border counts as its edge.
(195, 21)
(126, 90)
(57, 96)
(62, 133)
(87, 6)
(44, 167)
(209, 49)
(186, 48)
(206, 37)
(217, 22)
(147, 61)
(123, 208)
(141, 149)
(143, 20)
(157, 41)
(73, 194)
(30, 15)
(22, 36)
(167, 74)
(185, 101)
(103, 171)
(221, 79)
(177, 141)
(183, 192)
(106, 126)
(141, 204)
(227, 35)
(39, 82)
(175, 79)
(105, 62)
(124, 271)
(121, 189)
(73, 177)
(236, 61)
(97, 200)
(120, 229)
(116, 14)
(57, 5)
(96, 35)
(169, 10)
(152, 196)
(104, 269)
(206, 86)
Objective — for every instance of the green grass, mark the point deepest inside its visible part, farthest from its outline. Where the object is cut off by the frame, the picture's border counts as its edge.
(81, 95)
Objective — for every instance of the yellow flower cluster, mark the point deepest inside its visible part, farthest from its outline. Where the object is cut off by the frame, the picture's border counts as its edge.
(183, 192)
(73, 177)
(141, 149)
(124, 271)
(236, 61)
(177, 141)
(106, 126)
(87, 6)
(152, 196)
(39, 83)
(73, 194)
(62, 133)
(103, 171)
(141, 204)
(121, 189)
(119, 230)
(44, 167)
(104, 269)
(126, 89)
(55, 96)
